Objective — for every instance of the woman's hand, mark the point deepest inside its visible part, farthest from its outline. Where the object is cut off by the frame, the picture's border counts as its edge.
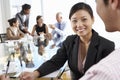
(3, 77)
(48, 36)
(41, 33)
(29, 75)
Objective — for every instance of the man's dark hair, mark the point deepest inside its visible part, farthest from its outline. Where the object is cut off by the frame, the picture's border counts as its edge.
(106, 2)
(26, 6)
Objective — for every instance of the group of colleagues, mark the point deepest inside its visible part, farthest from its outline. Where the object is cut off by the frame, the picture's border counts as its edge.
(86, 49)
(19, 27)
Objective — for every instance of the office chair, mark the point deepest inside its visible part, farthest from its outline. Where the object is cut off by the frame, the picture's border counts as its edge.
(62, 70)
(3, 37)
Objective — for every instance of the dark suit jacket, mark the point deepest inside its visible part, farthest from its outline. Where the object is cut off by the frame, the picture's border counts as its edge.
(22, 24)
(98, 49)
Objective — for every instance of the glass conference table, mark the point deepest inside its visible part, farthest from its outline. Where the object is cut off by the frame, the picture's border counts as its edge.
(6, 53)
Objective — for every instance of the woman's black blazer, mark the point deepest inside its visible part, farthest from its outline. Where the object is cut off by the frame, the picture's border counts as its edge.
(99, 48)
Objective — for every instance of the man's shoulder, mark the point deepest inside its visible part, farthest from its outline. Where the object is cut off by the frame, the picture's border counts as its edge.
(109, 61)
(64, 23)
(112, 59)
(19, 14)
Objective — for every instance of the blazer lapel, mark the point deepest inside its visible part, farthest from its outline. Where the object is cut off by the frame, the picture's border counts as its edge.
(92, 51)
(74, 53)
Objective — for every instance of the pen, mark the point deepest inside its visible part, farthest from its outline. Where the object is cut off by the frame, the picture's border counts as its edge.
(7, 68)
(62, 70)
(21, 63)
(60, 73)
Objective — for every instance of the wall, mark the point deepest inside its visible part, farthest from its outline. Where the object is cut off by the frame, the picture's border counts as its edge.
(4, 14)
(1, 17)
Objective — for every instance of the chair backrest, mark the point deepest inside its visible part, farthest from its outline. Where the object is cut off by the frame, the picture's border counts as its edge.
(62, 70)
(3, 37)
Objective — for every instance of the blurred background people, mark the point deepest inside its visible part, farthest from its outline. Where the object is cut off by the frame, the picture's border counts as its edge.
(82, 50)
(58, 28)
(41, 34)
(13, 32)
(23, 18)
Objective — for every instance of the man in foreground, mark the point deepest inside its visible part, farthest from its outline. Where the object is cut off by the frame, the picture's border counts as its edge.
(109, 67)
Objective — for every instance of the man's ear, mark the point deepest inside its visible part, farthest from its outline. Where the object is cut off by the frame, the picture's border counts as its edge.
(119, 4)
(114, 4)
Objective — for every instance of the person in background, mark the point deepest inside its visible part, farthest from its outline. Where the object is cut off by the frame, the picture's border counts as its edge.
(13, 32)
(23, 18)
(82, 50)
(58, 30)
(109, 67)
(3, 77)
(42, 33)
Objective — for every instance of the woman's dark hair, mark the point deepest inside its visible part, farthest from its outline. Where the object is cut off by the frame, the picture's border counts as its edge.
(25, 7)
(11, 21)
(80, 6)
(38, 17)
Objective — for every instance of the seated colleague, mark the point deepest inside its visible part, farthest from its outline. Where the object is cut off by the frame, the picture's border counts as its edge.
(109, 67)
(3, 77)
(42, 33)
(58, 31)
(23, 18)
(82, 50)
(13, 32)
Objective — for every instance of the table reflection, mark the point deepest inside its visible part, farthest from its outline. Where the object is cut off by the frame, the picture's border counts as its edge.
(24, 51)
